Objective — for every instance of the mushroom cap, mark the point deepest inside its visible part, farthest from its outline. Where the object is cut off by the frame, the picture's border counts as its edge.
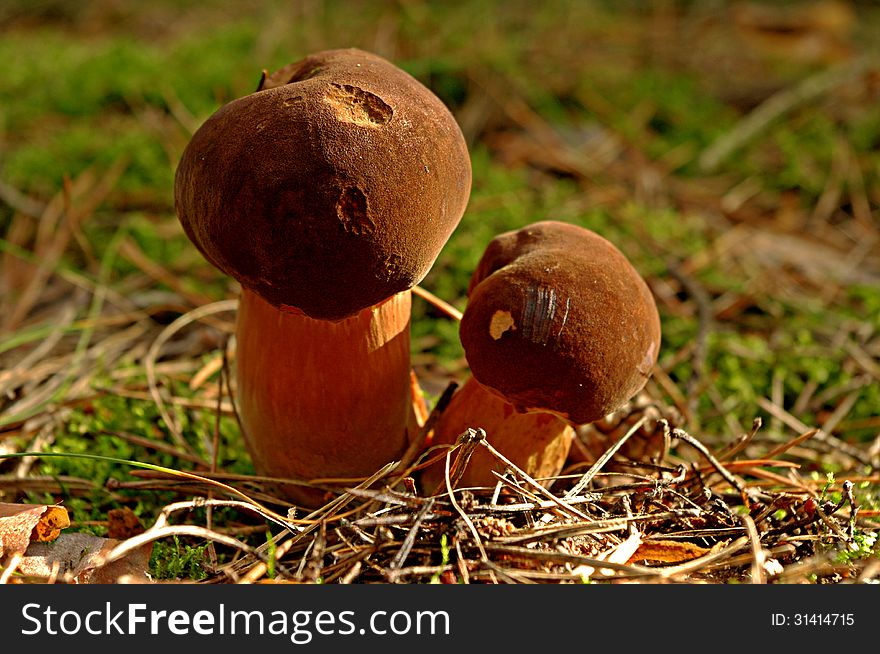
(330, 189)
(558, 320)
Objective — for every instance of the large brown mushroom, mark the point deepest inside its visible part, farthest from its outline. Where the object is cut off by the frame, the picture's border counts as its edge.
(559, 330)
(327, 194)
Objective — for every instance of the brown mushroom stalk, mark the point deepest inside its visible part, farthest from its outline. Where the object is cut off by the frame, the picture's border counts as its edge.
(333, 397)
(328, 194)
(559, 330)
(537, 442)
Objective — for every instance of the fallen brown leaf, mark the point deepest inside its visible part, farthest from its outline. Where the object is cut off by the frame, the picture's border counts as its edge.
(21, 524)
(667, 551)
(123, 523)
(77, 558)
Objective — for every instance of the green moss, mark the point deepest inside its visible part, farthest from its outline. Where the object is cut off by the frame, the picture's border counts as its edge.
(173, 560)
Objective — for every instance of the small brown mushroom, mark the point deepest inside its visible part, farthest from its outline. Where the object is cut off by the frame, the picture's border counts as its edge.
(327, 194)
(558, 321)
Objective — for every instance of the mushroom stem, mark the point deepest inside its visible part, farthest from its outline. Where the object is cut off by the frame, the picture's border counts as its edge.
(322, 399)
(538, 442)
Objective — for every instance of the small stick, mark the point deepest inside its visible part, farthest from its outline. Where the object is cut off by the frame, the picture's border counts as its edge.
(352, 574)
(759, 557)
(833, 526)
(776, 451)
(467, 443)
(503, 481)
(162, 519)
(443, 305)
(263, 75)
(496, 493)
(408, 542)
(681, 434)
(461, 564)
(853, 508)
(604, 526)
(560, 502)
(508, 575)
(846, 496)
(129, 249)
(261, 567)
(782, 550)
(310, 569)
(423, 570)
(835, 444)
(158, 446)
(742, 442)
(464, 516)
(533, 506)
(11, 567)
(588, 476)
(418, 443)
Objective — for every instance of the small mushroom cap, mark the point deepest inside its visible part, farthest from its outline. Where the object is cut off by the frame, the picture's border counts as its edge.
(559, 320)
(330, 189)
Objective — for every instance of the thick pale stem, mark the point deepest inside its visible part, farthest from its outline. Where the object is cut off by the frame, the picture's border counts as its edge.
(321, 399)
(536, 442)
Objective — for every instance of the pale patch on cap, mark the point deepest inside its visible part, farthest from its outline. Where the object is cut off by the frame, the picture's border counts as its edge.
(501, 321)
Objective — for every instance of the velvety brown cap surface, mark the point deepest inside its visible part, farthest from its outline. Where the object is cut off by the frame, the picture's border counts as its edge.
(329, 190)
(559, 320)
